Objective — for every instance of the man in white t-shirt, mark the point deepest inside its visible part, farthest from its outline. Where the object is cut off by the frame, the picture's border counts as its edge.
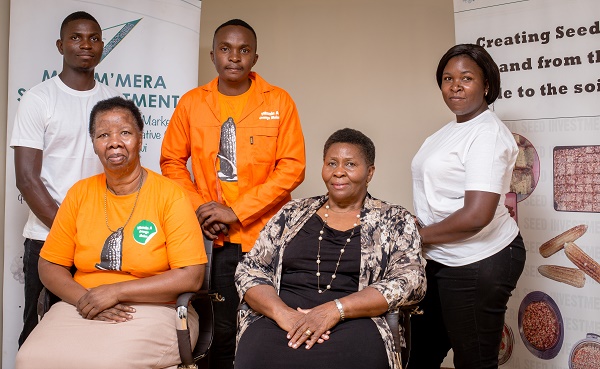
(51, 142)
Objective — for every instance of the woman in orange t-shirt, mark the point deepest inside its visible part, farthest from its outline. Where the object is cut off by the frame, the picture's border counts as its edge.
(132, 236)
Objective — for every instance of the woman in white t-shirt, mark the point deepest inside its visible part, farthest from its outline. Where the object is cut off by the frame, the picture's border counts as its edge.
(473, 248)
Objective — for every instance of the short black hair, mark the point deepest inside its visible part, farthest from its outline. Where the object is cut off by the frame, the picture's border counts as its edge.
(115, 103)
(77, 16)
(236, 22)
(354, 137)
(484, 60)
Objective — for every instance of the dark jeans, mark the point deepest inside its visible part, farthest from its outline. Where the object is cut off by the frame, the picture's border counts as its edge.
(33, 287)
(464, 309)
(225, 260)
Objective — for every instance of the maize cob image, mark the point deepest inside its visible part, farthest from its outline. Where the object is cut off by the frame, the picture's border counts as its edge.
(572, 276)
(583, 261)
(557, 243)
(227, 152)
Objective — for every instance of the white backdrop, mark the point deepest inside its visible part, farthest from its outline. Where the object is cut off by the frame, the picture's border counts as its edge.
(549, 55)
(151, 56)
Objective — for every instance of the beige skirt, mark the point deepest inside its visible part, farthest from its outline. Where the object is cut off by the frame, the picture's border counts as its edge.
(65, 340)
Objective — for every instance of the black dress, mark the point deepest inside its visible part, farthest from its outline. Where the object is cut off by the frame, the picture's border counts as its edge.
(353, 343)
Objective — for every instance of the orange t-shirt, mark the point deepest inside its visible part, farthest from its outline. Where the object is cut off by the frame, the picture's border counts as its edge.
(162, 234)
(231, 111)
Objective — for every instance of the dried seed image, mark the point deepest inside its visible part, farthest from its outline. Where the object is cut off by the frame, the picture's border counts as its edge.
(540, 325)
(527, 169)
(587, 356)
(506, 345)
(571, 276)
(557, 243)
(583, 261)
(577, 178)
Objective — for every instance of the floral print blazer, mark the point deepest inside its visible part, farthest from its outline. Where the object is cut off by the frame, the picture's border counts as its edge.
(391, 260)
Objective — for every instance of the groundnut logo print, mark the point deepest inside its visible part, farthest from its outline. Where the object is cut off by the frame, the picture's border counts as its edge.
(144, 231)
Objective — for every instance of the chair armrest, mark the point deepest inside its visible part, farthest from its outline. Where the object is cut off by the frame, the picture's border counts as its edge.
(185, 298)
(393, 321)
(397, 318)
(201, 300)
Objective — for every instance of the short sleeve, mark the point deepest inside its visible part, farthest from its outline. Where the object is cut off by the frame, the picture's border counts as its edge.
(487, 162)
(30, 121)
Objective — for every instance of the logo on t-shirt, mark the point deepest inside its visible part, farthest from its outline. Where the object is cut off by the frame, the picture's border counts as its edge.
(227, 152)
(144, 231)
(269, 115)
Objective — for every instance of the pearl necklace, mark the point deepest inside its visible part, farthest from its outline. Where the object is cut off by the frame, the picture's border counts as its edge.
(334, 275)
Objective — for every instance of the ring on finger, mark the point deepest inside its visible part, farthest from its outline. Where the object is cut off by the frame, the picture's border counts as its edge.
(308, 332)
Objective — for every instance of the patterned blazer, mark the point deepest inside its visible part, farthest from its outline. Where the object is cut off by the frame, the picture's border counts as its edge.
(391, 260)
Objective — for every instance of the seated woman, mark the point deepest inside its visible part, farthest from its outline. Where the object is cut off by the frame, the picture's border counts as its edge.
(325, 269)
(134, 239)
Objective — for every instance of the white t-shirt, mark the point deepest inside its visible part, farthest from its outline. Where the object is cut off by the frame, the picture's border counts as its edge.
(55, 119)
(477, 155)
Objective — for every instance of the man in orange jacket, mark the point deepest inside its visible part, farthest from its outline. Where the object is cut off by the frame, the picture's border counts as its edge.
(247, 154)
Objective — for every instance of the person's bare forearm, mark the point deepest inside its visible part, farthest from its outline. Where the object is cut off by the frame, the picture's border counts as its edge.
(163, 287)
(365, 303)
(478, 211)
(456, 227)
(28, 167)
(59, 281)
(159, 288)
(265, 300)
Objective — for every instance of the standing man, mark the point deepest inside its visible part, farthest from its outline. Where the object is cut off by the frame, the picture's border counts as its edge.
(51, 143)
(247, 154)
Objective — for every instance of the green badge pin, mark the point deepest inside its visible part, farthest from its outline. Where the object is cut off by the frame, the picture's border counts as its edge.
(144, 231)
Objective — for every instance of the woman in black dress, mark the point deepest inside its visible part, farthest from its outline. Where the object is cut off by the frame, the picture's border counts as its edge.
(326, 269)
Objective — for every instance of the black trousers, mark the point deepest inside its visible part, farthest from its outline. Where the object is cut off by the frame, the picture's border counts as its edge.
(464, 309)
(33, 286)
(225, 260)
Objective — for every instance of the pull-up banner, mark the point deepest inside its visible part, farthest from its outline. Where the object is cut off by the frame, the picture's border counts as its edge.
(150, 56)
(548, 52)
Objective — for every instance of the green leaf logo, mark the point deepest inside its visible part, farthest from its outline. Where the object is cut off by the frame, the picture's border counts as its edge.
(144, 231)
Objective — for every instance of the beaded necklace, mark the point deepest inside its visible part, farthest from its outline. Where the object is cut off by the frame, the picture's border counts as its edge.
(334, 275)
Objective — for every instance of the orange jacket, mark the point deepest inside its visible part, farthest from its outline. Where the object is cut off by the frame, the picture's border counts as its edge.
(270, 152)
